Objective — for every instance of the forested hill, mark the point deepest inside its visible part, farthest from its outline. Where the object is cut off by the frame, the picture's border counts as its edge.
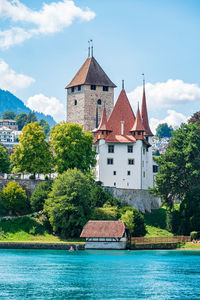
(10, 102)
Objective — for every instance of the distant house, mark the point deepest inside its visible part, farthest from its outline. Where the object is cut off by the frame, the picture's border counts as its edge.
(105, 235)
(12, 124)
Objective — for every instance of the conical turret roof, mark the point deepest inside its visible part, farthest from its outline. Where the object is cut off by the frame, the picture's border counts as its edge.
(91, 73)
(144, 115)
(138, 126)
(104, 123)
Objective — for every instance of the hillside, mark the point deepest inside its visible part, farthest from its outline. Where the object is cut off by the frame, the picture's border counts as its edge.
(10, 102)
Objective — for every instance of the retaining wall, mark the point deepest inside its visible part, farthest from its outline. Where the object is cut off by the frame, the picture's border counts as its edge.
(139, 199)
(29, 184)
(40, 246)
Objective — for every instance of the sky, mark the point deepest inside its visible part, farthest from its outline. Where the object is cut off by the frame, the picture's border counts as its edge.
(43, 43)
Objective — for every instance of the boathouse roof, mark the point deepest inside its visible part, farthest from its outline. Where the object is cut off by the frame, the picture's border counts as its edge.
(103, 229)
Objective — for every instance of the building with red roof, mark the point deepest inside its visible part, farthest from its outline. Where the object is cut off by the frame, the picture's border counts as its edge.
(123, 146)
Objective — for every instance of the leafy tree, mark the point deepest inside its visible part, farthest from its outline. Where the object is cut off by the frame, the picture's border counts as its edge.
(72, 147)
(4, 160)
(179, 176)
(33, 154)
(195, 118)
(14, 199)
(21, 120)
(163, 130)
(107, 212)
(134, 221)
(31, 118)
(68, 204)
(8, 115)
(45, 125)
(99, 197)
(39, 195)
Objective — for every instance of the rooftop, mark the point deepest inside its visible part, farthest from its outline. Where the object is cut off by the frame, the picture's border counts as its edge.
(111, 229)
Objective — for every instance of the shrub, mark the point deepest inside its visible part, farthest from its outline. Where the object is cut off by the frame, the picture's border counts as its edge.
(134, 221)
(173, 221)
(105, 213)
(195, 235)
(39, 195)
(14, 199)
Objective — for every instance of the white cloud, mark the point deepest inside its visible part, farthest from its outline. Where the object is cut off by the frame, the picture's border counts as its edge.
(173, 119)
(47, 105)
(51, 18)
(10, 80)
(166, 94)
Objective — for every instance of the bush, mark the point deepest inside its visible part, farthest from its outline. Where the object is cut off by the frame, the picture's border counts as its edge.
(14, 199)
(173, 221)
(195, 235)
(105, 213)
(39, 195)
(134, 221)
(99, 197)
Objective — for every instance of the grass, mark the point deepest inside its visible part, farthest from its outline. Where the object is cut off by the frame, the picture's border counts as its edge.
(190, 245)
(155, 231)
(33, 228)
(156, 223)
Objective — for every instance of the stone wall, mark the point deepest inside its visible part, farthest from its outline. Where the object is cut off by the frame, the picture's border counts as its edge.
(40, 246)
(139, 199)
(25, 183)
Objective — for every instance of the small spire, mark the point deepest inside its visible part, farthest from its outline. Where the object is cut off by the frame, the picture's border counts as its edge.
(88, 48)
(143, 80)
(91, 41)
(122, 84)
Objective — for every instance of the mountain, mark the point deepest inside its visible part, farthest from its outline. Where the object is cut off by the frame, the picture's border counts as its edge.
(10, 102)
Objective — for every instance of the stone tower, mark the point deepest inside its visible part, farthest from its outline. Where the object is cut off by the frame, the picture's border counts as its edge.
(88, 93)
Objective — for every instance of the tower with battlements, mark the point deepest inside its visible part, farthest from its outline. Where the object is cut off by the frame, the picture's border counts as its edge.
(88, 93)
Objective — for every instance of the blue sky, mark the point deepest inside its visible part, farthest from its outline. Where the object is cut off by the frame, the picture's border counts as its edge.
(43, 45)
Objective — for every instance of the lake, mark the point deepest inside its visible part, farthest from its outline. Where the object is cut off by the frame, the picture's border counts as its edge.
(51, 274)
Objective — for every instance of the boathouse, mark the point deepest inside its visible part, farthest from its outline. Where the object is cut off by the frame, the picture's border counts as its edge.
(105, 235)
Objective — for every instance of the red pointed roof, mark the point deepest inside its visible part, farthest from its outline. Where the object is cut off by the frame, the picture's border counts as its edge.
(91, 73)
(122, 111)
(138, 126)
(144, 115)
(104, 123)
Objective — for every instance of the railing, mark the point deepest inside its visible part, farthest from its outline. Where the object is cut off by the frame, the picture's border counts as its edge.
(160, 240)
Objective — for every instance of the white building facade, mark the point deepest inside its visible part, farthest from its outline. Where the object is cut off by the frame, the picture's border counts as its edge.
(123, 146)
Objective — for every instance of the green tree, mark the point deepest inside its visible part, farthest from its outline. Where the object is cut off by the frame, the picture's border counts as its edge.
(134, 221)
(33, 154)
(8, 115)
(39, 195)
(179, 176)
(99, 197)
(72, 147)
(14, 199)
(163, 130)
(21, 120)
(31, 118)
(4, 160)
(195, 118)
(45, 125)
(68, 204)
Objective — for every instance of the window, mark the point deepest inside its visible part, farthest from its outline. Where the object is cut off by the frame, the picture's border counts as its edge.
(79, 87)
(99, 101)
(128, 173)
(131, 161)
(155, 169)
(130, 149)
(72, 89)
(114, 172)
(144, 151)
(139, 132)
(114, 183)
(102, 132)
(105, 88)
(143, 174)
(75, 102)
(93, 87)
(109, 161)
(143, 164)
(110, 148)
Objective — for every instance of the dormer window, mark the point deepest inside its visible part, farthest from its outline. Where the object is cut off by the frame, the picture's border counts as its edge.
(105, 88)
(139, 132)
(102, 132)
(72, 89)
(93, 87)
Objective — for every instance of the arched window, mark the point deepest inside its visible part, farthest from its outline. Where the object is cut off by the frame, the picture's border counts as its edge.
(75, 102)
(99, 101)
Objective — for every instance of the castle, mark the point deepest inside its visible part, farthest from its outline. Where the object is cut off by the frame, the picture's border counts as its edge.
(121, 139)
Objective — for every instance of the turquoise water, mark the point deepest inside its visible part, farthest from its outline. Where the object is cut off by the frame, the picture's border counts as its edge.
(35, 274)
